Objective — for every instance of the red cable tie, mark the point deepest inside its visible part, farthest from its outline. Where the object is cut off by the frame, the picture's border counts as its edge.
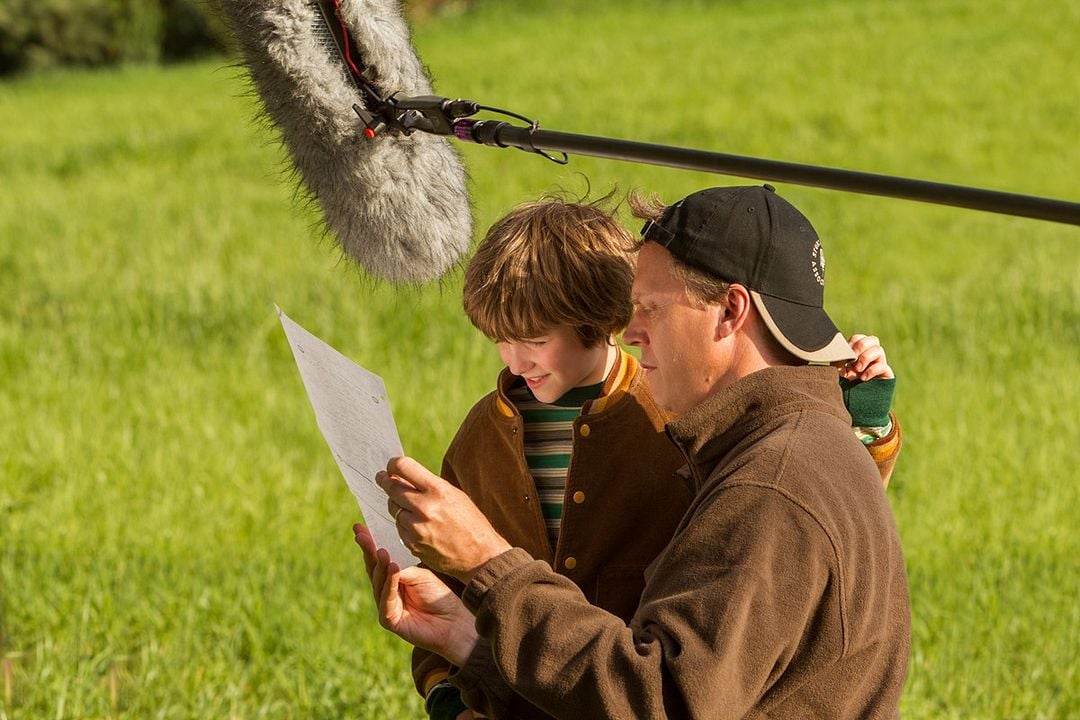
(345, 38)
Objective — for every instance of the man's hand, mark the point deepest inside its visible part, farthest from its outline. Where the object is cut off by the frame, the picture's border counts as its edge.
(416, 606)
(438, 522)
(869, 363)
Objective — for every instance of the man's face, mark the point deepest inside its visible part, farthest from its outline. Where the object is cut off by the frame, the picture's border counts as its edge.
(679, 350)
(555, 362)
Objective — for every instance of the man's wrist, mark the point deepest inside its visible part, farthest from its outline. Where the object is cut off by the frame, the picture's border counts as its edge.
(490, 573)
(493, 550)
(462, 644)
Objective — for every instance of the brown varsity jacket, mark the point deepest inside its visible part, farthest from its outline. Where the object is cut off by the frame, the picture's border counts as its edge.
(623, 498)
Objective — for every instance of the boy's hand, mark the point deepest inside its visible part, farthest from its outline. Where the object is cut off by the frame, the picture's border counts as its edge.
(437, 521)
(870, 361)
(417, 606)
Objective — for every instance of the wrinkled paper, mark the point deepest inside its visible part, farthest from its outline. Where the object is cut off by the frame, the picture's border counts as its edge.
(354, 416)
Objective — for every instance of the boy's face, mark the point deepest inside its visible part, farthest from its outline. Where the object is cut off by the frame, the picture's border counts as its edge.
(555, 362)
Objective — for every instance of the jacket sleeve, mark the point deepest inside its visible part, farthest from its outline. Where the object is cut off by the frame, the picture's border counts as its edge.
(690, 649)
(886, 449)
(428, 668)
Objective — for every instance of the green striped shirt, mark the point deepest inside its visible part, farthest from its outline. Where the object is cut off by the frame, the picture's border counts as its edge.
(549, 442)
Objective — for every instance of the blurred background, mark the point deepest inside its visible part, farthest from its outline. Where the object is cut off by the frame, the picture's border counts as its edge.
(174, 535)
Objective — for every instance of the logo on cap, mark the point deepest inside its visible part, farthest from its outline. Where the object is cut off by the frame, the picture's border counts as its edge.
(817, 263)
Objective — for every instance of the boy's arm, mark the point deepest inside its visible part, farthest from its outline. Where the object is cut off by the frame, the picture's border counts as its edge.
(444, 703)
(868, 385)
(873, 422)
(885, 449)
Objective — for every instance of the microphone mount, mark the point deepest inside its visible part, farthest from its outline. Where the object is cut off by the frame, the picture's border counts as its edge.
(442, 116)
(405, 115)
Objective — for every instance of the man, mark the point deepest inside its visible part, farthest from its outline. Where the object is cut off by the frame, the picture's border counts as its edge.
(782, 592)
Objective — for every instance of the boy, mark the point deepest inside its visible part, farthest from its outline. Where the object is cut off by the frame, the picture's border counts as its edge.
(550, 283)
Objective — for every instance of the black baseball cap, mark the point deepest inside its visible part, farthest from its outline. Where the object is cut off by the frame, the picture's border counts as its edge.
(753, 237)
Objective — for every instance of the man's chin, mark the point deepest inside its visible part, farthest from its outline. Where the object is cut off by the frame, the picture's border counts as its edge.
(656, 389)
(673, 406)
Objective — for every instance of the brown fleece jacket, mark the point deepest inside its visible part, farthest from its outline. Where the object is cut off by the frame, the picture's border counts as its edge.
(782, 594)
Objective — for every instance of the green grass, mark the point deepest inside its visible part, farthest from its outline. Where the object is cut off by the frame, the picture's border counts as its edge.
(174, 535)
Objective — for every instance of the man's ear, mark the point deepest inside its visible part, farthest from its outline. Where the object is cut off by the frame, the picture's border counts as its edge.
(735, 309)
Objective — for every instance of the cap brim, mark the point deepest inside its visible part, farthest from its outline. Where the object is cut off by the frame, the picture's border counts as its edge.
(804, 331)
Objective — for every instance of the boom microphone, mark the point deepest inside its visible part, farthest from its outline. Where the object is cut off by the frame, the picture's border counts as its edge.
(397, 203)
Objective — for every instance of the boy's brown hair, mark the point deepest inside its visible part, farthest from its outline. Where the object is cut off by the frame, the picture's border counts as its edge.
(549, 263)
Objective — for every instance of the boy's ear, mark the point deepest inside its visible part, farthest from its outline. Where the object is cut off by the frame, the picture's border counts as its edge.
(734, 310)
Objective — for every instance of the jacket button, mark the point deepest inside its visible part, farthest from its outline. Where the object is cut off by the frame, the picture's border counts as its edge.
(570, 563)
(579, 497)
(585, 431)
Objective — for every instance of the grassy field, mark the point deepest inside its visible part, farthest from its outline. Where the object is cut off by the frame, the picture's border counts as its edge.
(174, 535)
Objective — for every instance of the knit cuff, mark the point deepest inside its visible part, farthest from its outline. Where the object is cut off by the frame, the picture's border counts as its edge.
(869, 402)
(444, 702)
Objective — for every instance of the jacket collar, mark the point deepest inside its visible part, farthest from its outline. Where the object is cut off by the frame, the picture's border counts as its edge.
(618, 381)
(711, 429)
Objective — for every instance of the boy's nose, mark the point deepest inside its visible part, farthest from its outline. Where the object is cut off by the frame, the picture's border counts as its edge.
(516, 361)
(519, 366)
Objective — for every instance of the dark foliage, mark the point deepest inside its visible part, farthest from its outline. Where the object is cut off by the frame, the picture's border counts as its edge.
(38, 34)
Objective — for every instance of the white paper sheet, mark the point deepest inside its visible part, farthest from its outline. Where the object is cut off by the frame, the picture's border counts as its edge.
(354, 415)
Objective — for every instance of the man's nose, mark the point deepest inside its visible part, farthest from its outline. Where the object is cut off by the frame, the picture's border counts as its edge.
(634, 335)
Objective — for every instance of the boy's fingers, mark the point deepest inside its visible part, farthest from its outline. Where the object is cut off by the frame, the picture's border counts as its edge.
(874, 365)
(879, 369)
(870, 361)
(868, 358)
(864, 343)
